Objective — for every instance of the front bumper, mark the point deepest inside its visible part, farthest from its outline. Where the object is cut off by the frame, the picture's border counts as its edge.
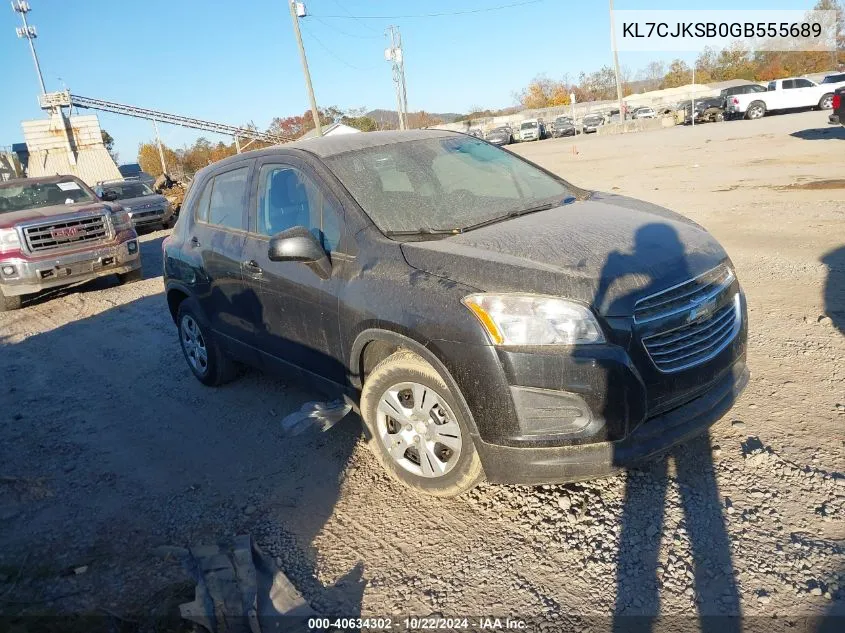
(146, 217)
(35, 274)
(560, 464)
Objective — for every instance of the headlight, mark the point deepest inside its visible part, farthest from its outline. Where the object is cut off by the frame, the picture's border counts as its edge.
(525, 319)
(9, 241)
(121, 220)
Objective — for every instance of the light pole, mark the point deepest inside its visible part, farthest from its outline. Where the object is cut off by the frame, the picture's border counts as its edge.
(616, 66)
(29, 33)
(297, 10)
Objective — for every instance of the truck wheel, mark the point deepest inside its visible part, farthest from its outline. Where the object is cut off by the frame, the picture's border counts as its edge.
(826, 102)
(205, 358)
(131, 277)
(9, 303)
(756, 110)
(416, 429)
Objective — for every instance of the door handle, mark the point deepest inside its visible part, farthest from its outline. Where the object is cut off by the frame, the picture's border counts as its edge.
(194, 242)
(252, 266)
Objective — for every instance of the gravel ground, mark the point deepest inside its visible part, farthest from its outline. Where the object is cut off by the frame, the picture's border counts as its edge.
(111, 449)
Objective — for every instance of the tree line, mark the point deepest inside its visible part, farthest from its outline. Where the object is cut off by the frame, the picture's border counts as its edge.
(710, 66)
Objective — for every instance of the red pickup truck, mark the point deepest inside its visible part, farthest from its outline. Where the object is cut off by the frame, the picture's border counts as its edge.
(55, 231)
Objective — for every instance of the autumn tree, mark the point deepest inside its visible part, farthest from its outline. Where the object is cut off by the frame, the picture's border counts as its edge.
(679, 74)
(150, 161)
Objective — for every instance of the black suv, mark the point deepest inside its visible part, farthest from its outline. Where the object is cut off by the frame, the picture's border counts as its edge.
(490, 319)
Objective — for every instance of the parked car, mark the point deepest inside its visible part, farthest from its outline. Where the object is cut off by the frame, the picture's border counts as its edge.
(530, 130)
(838, 116)
(835, 81)
(134, 171)
(500, 136)
(490, 319)
(54, 231)
(591, 123)
(643, 112)
(563, 126)
(706, 111)
(476, 132)
(783, 94)
(726, 93)
(144, 206)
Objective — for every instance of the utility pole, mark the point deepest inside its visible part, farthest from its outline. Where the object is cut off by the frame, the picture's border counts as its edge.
(29, 33)
(297, 10)
(394, 54)
(160, 149)
(616, 65)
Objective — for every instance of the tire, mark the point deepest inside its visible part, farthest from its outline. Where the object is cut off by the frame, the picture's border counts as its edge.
(8, 304)
(826, 102)
(131, 277)
(205, 358)
(405, 378)
(756, 110)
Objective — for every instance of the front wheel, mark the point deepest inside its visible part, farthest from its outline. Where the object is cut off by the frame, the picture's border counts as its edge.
(9, 303)
(131, 277)
(416, 429)
(826, 102)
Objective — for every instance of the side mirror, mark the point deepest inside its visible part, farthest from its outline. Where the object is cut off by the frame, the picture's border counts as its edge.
(298, 244)
(109, 196)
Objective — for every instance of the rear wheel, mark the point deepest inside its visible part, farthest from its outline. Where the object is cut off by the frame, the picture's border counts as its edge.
(826, 102)
(756, 110)
(416, 428)
(9, 303)
(205, 358)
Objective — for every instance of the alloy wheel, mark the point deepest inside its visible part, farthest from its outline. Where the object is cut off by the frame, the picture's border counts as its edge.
(418, 429)
(193, 343)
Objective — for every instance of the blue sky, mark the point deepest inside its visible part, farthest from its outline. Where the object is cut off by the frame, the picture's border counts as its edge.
(236, 61)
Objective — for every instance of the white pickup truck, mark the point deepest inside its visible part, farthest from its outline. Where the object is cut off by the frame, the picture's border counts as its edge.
(783, 94)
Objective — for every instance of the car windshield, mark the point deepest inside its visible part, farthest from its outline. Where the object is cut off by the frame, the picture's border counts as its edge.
(126, 190)
(528, 125)
(592, 117)
(834, 79)
(34, 195)
(500, 130)
(130, 169)
(563, 121)
(442, 184)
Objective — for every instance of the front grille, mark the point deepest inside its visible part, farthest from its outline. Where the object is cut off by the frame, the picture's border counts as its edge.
(45, 237)
(683, 297)
(695, 342)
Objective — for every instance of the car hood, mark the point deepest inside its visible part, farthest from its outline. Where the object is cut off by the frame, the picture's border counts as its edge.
(143, 201)
(607, 251)
(10, 218)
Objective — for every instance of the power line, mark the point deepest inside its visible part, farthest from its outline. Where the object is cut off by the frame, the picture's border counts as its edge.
(361, 22)
(332, 53)
(431, 15)
(342, 32)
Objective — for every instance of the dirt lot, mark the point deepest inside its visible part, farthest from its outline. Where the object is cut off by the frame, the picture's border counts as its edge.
(111, 449)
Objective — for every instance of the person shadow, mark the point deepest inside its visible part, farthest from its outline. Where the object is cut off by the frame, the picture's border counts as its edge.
(640, 575)
(834, 309)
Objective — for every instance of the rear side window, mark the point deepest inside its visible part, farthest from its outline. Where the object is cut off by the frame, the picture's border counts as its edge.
(772, 86)
(201, 211)
(226, 205)
(789, 84)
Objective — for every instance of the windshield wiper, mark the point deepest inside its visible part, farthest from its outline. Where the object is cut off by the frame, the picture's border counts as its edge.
(520, 212)
(422, 231)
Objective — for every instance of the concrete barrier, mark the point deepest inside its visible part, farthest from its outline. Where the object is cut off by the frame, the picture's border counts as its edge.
(637, 125)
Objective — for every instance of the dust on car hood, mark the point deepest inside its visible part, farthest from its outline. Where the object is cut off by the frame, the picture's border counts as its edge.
(607, 251)
(10, 218)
